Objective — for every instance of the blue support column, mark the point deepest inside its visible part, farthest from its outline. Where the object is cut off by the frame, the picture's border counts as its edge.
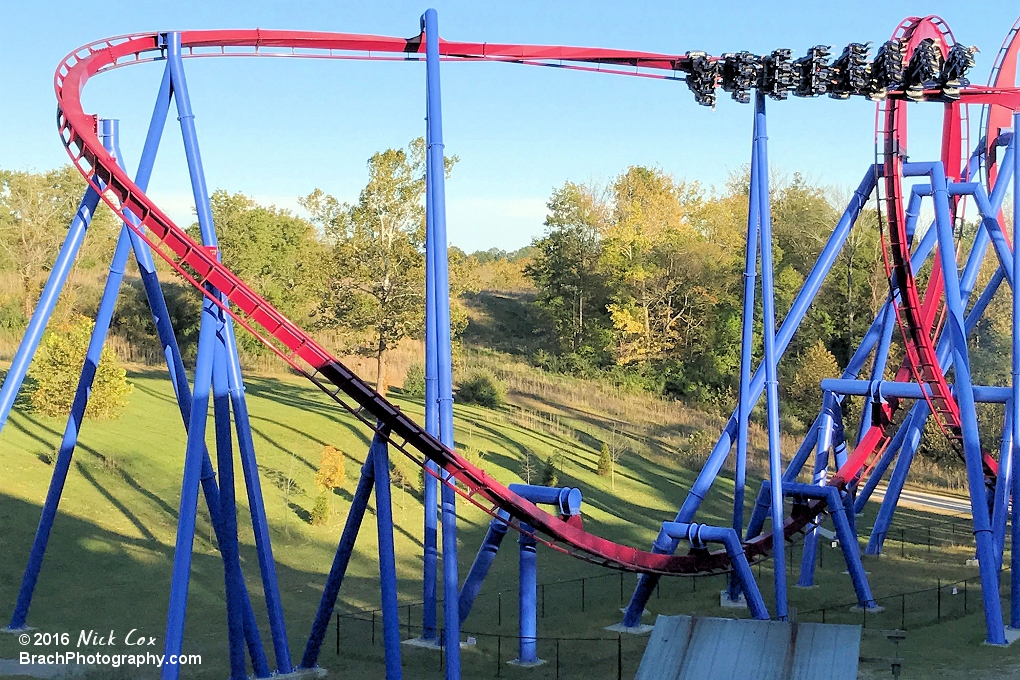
(807, 563)
(483, 561)
(698, 535)
(227, 536)
(914, 424)
(847, 540)
(1014, 608)
(746, 404)
(436, 181)
(770, 359)
(184, 544)
(175, 364)
(387, 564)
(646, 583)
(245, 444)
(955, 329)
(1003, 483)
(341, 561)
(527, 654)
(430, 478)
(108, 131)
(47, 301)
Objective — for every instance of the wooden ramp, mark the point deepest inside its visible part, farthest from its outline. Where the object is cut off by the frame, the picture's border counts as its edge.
(695, 648)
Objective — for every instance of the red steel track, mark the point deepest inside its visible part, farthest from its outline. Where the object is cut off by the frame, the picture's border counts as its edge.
(200, 267)
(917, 318)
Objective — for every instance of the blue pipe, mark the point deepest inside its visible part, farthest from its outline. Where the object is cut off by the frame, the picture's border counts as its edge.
(878, 366)
(430, 489)
(437, 193)
(47, 301)
(341, 560)
(955, 327)
(567, 500)
(810, 554)
(989, 394)
(771, 375)
(646, 583)
(483, 562)
(847, 540)
(189, 493)
(387, 564)
(745, 405)
(245, 444)
(1014, 608)
(527, 589)
(699, 534)
(228, 517)
(1003, 481)
(430, 477)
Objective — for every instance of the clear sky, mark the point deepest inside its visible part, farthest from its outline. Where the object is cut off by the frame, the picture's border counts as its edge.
(276, 129)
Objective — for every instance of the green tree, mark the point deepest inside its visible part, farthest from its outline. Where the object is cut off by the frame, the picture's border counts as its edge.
(565, 269)
(550, 472)
(374, 274)
(36, 210)
(58, 365)
(816, 364)
(605, 465)
(414, 380)
(331, 473)
(275, 252)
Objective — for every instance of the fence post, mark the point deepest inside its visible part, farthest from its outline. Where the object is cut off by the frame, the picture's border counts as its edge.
(338, 634)
(929, 538)
(964, 596)
(903, 611)
(902, 540)
(557, 659)
(619, 657)
(499, 608)
(408, 620)
(543, 600)
(499, 654)
(621, 587)
(582, 594)
(442, 645)
(657, 583)
(823, 614)
(373, 628)
(939, 601)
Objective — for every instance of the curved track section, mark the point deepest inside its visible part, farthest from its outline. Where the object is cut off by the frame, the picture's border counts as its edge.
(917, 318)
(201, 268)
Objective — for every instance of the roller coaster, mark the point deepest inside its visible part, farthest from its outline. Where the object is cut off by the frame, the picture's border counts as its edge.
(922, 62)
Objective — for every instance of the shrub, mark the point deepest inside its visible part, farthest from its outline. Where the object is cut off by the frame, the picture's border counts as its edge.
(605, 467)
(57, 367)
(320, 511)
(414, 381)
(331, 473)
(482, 388)
(550, 475)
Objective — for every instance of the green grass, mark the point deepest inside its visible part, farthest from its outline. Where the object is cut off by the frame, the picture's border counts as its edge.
(110, 554)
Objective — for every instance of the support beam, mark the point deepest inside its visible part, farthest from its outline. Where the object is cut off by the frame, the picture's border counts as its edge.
(436, 193)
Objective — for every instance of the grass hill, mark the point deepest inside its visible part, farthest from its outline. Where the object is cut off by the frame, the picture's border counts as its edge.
(110, 554)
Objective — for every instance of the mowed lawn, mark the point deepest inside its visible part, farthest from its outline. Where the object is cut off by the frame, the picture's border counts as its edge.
(109, 562)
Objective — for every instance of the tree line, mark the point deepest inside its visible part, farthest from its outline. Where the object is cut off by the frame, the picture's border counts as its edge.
(638, 280)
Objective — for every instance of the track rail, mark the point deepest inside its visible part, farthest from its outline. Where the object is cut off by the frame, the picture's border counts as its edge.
(919, 321)
(200, 267)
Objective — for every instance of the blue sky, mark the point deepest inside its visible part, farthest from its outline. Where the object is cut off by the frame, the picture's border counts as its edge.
(276, 129)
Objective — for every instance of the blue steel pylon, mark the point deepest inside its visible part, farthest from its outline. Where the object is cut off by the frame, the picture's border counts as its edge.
(218, 369)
